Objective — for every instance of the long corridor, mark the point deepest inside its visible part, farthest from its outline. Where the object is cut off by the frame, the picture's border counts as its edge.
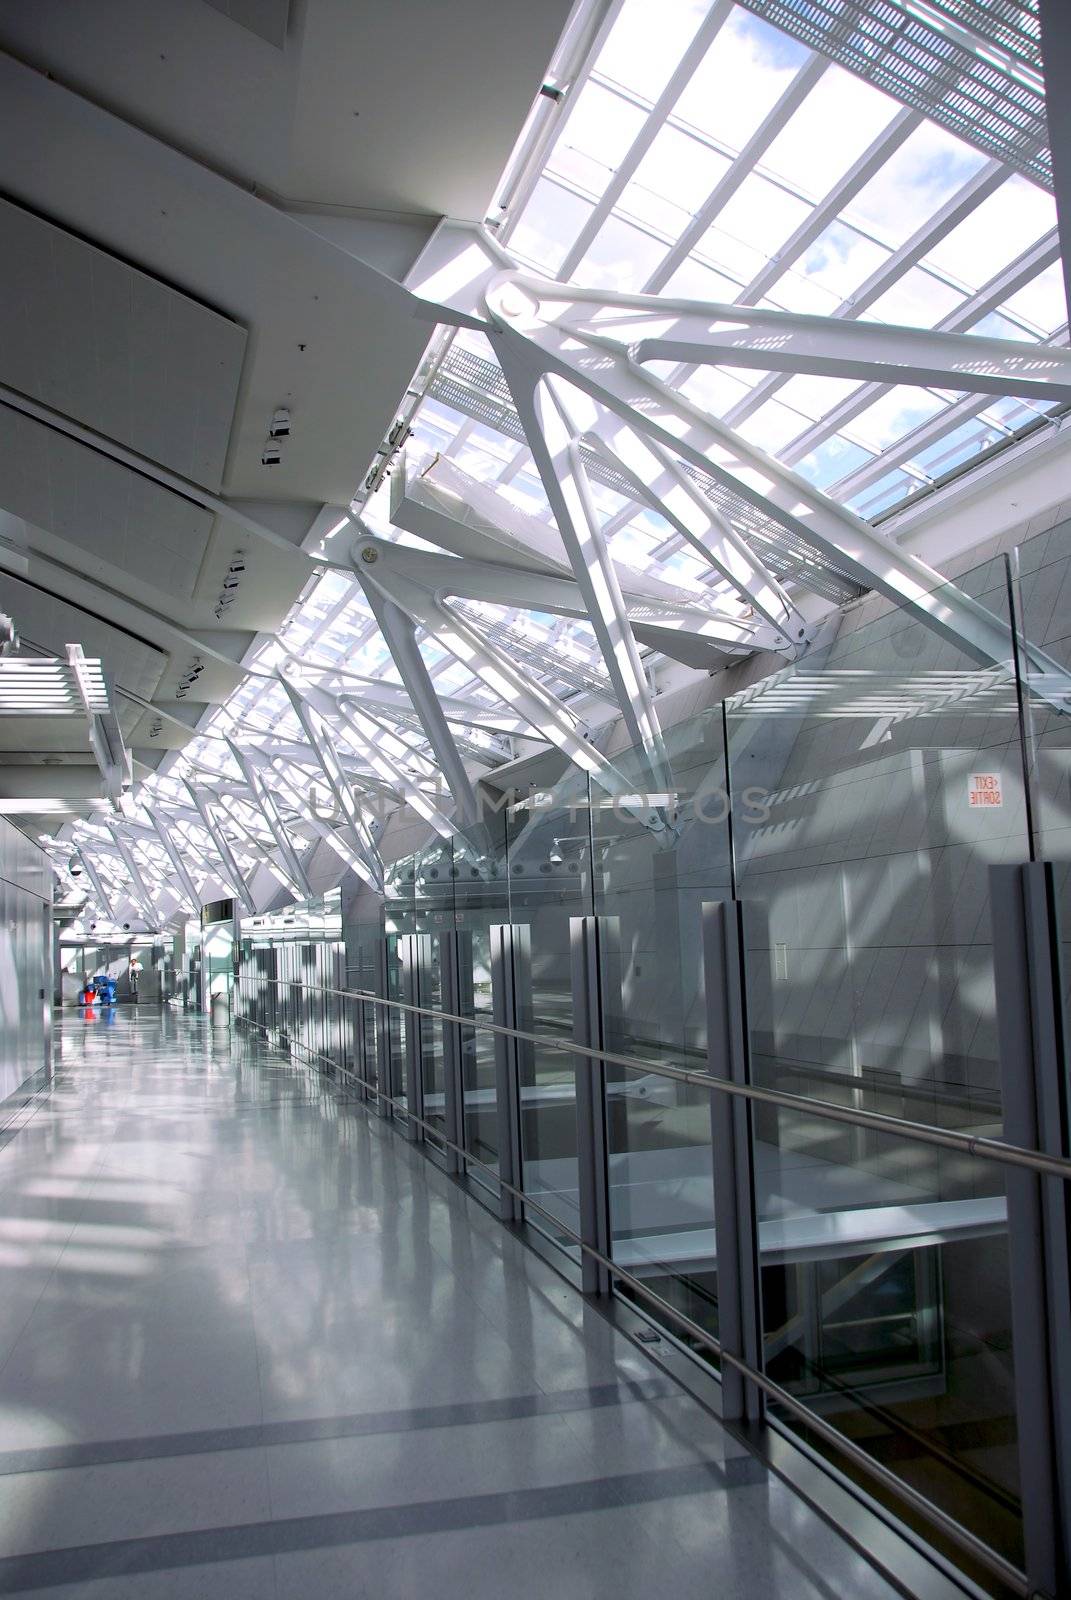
(254, 1344)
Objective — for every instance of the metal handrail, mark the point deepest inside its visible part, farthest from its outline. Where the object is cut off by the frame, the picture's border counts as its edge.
(961, 1537)
(998, 1150)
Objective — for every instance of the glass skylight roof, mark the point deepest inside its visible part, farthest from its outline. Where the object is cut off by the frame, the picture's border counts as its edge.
(767, 175)
(709, 155)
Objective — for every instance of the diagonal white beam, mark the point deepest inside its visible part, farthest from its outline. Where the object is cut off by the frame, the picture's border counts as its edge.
(182, 872)
(317, 731)
(612, 380)
(141, 894)
(782, 341)
(383, 751)
(493, 667)
(955, 210)
(104, 899)
(228, 868)
(399, 633)
(552, 438)
(264, 801)
(658, 480)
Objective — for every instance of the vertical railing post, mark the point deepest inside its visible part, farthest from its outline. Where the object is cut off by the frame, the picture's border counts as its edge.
(384, 1027)
(511, 1000)
(455, 966)
(595, 964)
(1035, 1089)
(735, 1224)
(415, 988)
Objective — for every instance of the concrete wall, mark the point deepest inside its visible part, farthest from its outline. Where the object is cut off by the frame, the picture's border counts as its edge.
(25, 960)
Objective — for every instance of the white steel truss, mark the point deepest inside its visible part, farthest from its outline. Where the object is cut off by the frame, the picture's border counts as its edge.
(593, 399)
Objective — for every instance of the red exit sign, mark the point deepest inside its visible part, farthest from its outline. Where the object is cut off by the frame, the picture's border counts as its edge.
(983, 789)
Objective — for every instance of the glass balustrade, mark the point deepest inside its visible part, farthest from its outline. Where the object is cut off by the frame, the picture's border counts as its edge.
(851, 805)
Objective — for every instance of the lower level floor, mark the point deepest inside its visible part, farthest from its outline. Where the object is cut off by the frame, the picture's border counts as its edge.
(254, 1344)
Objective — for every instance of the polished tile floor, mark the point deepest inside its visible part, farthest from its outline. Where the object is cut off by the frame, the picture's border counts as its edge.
(253, 1344)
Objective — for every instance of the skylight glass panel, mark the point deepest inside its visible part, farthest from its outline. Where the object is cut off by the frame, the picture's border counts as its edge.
(740, 79)
(896, 414)
(837, 121)
(673, 180)
(758, 219)
(1000, 228)
(813, 396)
(771, 426)
(955, 448)
(642, 57)
(1043, 301)
(621, 259)
(597, 136)
(839, 261)
(717, 390)
(832, 460)
(694, 281)
(552, 219)
(927, 170)
(917, 299)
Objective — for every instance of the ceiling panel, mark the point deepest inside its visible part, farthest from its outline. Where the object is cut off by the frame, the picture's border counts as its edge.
(116, 349)
(115, 517)
(266, 18)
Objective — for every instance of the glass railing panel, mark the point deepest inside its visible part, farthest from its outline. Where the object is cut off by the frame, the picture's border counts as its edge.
(550, 883)
(873, 784)
(549, 1143)
(887, 1308)
(481, 900)
(657, 858)
(863, 783)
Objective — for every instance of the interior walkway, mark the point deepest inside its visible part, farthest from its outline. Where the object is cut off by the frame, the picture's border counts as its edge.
(253, 1344)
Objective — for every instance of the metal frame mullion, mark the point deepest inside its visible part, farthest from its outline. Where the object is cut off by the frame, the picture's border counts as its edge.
(656, 121)
(732, 1139)
(829, 208)
(384, 1018)
(928, 433)
(988, 298)
(414, 953)
(959, 206)
(1034, 1059)
(571, 65)
(511, 1007)
(741, 169)
(455, 956)
(592, 947)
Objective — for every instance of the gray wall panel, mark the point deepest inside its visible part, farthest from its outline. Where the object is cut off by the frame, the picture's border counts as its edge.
(127, 355)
